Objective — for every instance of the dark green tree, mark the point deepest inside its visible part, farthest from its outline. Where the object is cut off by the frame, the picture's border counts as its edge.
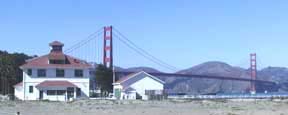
(104, 78)
(10, 73)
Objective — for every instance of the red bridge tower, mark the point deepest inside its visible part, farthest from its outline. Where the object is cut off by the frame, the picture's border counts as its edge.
(253, 71)
(108, 47)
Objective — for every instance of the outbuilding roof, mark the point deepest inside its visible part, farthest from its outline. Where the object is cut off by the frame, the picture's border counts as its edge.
(134, 77)
(123, 79)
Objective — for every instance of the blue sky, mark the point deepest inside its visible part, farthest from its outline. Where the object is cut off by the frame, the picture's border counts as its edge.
(181, 33)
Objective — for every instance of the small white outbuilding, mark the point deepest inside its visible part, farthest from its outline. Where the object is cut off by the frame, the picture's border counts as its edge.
(138, 85)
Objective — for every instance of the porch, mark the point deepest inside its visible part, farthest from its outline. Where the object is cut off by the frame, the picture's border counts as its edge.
(58, 91)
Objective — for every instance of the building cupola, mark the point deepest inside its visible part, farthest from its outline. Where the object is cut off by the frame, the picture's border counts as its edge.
(56, 55)
(56, 46)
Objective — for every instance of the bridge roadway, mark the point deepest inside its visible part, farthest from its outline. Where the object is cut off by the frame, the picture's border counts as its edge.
(232, 96)
(203, 76)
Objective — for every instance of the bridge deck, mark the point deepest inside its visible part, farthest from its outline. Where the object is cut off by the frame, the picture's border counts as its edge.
(202, 76)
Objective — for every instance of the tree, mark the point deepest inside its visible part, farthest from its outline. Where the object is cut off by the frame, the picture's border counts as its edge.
(10, 73)
(104, 78)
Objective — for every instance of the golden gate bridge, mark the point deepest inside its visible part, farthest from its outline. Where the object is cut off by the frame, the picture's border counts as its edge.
(100, 46)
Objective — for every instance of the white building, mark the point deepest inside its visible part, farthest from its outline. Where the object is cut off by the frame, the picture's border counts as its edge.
(55, 77)
(138, 86)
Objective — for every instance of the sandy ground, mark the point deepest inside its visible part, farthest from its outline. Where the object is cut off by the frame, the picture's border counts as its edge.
(172, 107)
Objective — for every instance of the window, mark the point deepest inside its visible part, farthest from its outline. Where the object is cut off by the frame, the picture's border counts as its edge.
(29, 72)
(149, 92)
(41, 73)
(57, 48)
(56, 92)
(51, 92)
(78, 92)
(57, 61)
(153, 92)
(78, 73)
(61, 92)
(30, 89)
(60, 72)
(92, 72)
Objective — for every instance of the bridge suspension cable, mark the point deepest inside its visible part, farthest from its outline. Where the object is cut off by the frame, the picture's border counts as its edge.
(84, 41)
(121, 37)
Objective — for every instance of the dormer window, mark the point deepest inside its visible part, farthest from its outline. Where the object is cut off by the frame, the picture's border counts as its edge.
(51, 61)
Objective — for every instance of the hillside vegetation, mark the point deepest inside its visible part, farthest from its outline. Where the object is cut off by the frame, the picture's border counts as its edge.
(10, 73)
